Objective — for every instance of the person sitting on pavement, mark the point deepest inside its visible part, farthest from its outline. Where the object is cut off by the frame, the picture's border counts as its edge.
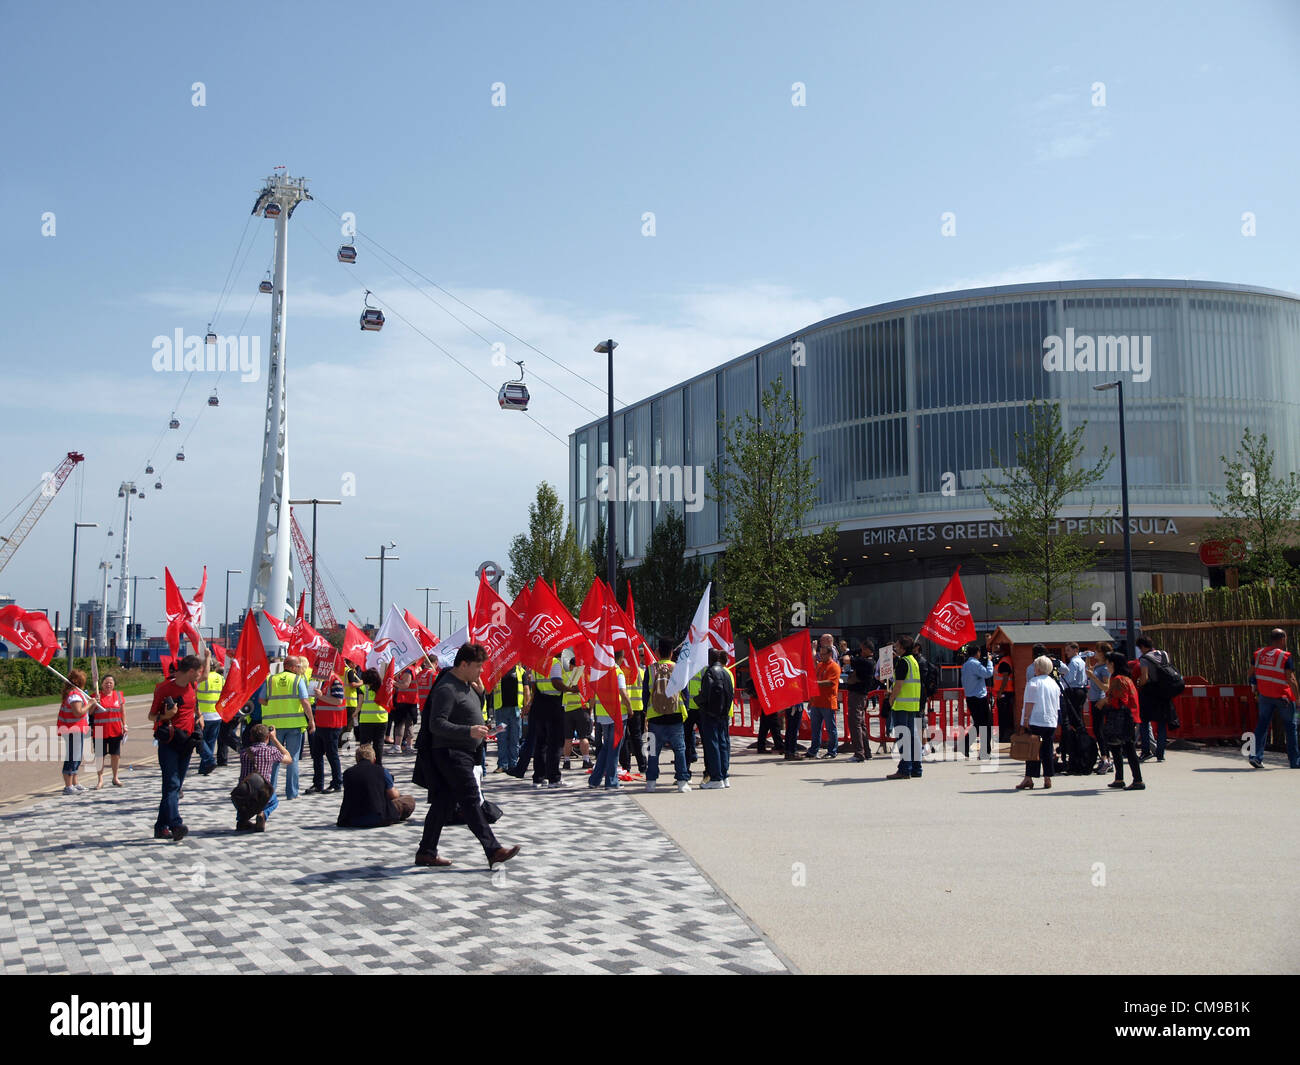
(370, 799)
(253, 796)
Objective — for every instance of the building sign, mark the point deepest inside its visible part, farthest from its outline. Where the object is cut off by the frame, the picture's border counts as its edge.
(954, 531)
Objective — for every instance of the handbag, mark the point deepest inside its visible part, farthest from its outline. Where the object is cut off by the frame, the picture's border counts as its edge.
(1025, 746)
(1117, 726)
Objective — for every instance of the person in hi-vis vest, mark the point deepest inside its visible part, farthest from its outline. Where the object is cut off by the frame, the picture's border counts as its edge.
(286, 706)
(909, 720)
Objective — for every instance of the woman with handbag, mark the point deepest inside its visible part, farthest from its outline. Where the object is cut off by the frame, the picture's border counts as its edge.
(1121, 717)
(1038, 717)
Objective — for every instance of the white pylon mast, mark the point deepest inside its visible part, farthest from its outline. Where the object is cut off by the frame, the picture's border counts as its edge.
(124, 604)
(271, 581)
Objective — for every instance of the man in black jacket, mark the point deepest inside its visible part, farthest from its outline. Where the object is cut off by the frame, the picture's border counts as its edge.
(451, 733)
(716, 695)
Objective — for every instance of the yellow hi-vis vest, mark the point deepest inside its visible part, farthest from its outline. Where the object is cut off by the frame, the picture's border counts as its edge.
(207, 694)
(731, 710)
(283, 708)
(353, 692)
(692, 693)
(909, 698)
(636, 692)
(572, 700)
(371, 712)
(543, 682)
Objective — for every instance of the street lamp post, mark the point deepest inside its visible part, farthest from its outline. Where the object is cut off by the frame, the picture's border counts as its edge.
(440, 602)
(314, 504)
(134, 608)
(77, 526)
(1128, 544)
(426, 592)
(382, 558)
(225, 621)
(451, 620)
(606, 347)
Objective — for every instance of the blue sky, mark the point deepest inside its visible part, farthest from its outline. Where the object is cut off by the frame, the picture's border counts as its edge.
(767, 217)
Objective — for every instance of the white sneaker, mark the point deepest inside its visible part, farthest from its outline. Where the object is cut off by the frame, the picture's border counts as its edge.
(561, 784)
(650, 785)
(539, 787)
(712, 785)
(726, 782)
(68, 789)
(78, 787)
(682, 786)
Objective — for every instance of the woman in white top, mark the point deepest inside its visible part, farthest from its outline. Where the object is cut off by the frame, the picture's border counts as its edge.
(1039, 715)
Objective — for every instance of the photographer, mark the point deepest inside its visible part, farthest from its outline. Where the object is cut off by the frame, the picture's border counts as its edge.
(172, 713)
(976, 672)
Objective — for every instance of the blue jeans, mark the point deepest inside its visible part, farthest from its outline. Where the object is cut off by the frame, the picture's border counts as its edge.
(606, 768)
(1161, 729)
(667, 734)
(817, 715)
(908, 733)
(72, 743)
(508, 741)
(208, 750)
(173, 768)
(1268, 705)
(717, 746)
(292, 740)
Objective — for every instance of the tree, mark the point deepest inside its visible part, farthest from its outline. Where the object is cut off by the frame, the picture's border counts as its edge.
(667, 585)
(1045, 566)
(774, 575)
(1259, 508)
(549, 550)
(599, 563)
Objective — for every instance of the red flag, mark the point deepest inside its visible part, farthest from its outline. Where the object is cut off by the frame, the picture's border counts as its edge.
(497, 627)
(30, 630)
(247, 671)
(356, 645)
(720, 635)
(428, 641)
(950, 623)
(219, 653)
(302, 603)
(165, 663)
(550, 629)
(597, 654)
(642, 644)
(782, 672)
(384, 697)
(174, 606)
(304, 640)
(283, 630)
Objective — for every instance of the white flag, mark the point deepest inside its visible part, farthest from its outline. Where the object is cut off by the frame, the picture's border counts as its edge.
(394, 641)
(445, 653)
(695, 652)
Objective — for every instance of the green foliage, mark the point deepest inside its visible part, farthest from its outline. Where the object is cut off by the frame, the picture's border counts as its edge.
(1045, 566)
(774, 576)
(24, 677)
(1258, 507)
(550, 550)
(667, 585)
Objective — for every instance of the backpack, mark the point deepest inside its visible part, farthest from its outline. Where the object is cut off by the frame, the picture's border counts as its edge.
(930, 678)
(1080, 752)
(661, 702)
(1167, 680)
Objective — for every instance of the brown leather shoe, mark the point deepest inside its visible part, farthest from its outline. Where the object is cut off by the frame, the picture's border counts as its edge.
(424, 858)
(795, 757)
(899, 775)
(502, 854)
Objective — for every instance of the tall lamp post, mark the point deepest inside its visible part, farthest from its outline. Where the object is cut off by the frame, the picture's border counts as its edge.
(314, 504)
(382, 558)
(440, 602)
(225, 621)
(134, 608)
(1128, 544)
(77, 526)
(606, 347)
(426, 592)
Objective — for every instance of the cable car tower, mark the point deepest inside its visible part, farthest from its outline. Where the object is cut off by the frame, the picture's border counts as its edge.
(271, 580)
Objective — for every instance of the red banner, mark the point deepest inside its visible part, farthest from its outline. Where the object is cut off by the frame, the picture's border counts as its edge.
(30, 630)
(720, 635)
(783, 672)
(428, 641)
(497, 627)
(356, 645)
(247, 671)
(550, 629)
(283, 630)
(950, 623)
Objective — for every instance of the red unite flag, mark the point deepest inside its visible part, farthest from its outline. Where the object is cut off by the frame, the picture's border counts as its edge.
(283, 631)
(30, 630)
(384, 697)
(356, 645)
(427, 640)
(498, 628)
(550, 629)
(720, 635)
(304, 640)
(950, 623)
(783, 672)
(248, 668)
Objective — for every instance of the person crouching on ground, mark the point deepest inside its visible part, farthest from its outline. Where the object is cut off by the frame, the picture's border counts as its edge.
(254, 798)
(370, 799)
(1039, 715)
(447, 751)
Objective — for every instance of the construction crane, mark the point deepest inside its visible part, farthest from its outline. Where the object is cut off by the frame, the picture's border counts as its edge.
(50, 485)
(324, 612)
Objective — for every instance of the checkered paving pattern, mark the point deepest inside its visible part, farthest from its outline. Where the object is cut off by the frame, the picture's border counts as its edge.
(597, 888)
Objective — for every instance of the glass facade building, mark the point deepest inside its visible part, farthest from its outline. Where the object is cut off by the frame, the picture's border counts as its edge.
(905, 405)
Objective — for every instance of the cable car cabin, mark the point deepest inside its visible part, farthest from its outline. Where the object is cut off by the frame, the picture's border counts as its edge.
(271, 210)
(158, 485)
(513, 396)
(139, 495)
(148, 469)
(372, 320)
(180, 456)
(347, 254)
(212, 399)
(266, 286)
(210, 339)
(175, 423)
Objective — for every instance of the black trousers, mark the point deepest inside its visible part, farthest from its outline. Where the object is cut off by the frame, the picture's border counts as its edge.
(770, 725)
(688, 733)
(793, 721)
(1072, 703)
(455, 786)
(373, 735)
(546, 717)
(633, 731)
(229, 738)
(979, 719)
(324, 743)
(1127, 750)
(1046, 753)
(1006, 717)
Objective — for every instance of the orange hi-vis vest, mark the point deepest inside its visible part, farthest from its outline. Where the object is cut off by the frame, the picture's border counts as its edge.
(1269, 674)
(68, 720)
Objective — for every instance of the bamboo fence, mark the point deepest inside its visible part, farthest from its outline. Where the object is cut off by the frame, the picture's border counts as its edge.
(1214, 633)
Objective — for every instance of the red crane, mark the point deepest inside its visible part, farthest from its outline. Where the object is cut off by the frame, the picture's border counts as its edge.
(49, 489)
(324, 612)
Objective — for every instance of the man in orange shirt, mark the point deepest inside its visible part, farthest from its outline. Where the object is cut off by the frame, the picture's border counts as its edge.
(823, 705)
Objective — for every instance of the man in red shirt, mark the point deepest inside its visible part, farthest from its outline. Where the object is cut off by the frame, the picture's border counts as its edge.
(172, 713)
(823, 705)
